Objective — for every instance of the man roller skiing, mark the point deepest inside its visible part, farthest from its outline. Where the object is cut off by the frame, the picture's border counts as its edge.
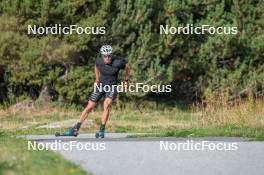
(106, 69)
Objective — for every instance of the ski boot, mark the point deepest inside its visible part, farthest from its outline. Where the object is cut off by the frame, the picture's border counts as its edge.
(99, 134)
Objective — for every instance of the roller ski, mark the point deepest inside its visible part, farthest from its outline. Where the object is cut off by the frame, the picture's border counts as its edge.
(70, 132)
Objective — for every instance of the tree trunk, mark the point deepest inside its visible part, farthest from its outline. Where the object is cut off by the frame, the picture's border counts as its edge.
(45, 94)
(3, 90)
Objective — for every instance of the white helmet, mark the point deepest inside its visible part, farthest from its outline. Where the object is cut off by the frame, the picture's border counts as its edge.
(106, 50)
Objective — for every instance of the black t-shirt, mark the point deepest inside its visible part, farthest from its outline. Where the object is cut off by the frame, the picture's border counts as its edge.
(109, 72)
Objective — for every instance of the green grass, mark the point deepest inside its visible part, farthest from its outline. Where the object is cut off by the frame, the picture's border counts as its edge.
(228, 131)
(239, 121)
(15, 158)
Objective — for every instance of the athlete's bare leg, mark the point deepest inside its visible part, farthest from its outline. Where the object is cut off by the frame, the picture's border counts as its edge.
(105, 115)
(87, 110)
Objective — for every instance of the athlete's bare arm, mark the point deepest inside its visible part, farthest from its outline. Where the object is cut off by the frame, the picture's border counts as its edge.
(127, 72)
(97, 74)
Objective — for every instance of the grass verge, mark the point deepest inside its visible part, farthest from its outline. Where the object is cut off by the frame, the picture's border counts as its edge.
(254, 134)
(245, 119)
(15, 158)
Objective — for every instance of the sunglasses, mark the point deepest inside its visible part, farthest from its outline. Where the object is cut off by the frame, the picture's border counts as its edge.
(107, 56)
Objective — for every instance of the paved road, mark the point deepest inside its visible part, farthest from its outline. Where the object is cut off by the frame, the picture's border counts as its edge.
(119, 155)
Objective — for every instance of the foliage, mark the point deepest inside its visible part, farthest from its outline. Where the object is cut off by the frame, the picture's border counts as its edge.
(197, 66)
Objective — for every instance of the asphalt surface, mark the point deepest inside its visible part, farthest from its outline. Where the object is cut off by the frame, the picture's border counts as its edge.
(119, 155)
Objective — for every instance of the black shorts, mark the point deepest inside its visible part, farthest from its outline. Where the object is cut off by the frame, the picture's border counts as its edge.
(98, 94)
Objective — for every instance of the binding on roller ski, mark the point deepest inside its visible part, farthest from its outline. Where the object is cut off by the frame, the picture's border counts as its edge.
(106, 70)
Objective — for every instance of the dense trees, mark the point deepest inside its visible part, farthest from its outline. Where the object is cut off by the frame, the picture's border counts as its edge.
(198, 66)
